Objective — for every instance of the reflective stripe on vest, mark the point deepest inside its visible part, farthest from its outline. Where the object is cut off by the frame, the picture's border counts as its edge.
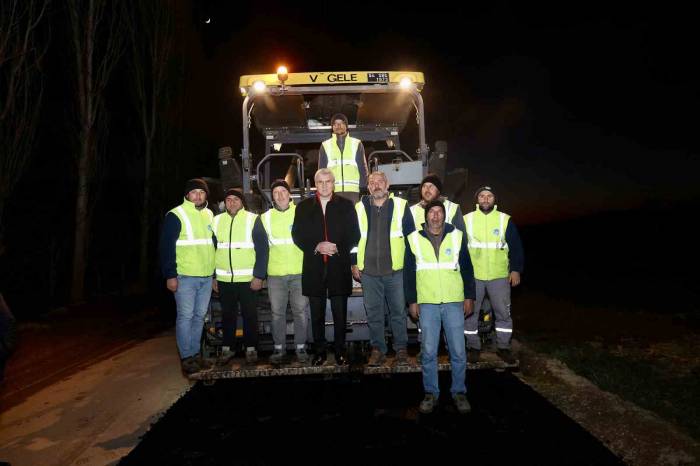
(285, 257)
(396, 242)
(486, 243)
(438, 279)
(418, 213)
(343, 165)
(194, 248)
(235, 258)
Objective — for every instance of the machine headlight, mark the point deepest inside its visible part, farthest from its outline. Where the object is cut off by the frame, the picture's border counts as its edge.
(259, 87)
(406, 83)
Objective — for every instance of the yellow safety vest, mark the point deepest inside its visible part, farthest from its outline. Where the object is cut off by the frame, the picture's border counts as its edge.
(396, 241)
(438, 280)
(235, 251)
(194, 249)
(488, 249)
(343, 165)
(418, 213)
(285, 257)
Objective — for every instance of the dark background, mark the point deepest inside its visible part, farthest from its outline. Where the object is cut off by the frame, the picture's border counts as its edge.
(573, 111)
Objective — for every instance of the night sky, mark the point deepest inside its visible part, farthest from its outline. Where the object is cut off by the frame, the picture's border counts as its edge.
(566, 110)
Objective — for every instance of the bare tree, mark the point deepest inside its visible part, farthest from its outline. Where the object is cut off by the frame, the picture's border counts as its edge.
(97, 36)
(151, 30)
(21, 87)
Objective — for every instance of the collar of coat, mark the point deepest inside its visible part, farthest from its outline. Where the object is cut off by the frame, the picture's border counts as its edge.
(317, 198)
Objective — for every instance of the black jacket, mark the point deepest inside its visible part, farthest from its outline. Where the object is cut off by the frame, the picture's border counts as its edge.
(342, 229)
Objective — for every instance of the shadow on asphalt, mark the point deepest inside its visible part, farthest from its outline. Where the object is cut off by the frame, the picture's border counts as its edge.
(371, 420)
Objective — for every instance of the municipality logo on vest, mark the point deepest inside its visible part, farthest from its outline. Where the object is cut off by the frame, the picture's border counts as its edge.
(495, 232)
(448, 251)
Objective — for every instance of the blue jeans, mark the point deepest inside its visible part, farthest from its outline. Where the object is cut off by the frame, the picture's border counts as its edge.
(380, 291)
(192, 301)
(282, 290)
(451, 317)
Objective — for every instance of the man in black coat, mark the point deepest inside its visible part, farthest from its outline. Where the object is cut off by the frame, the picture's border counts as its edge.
(326, 230)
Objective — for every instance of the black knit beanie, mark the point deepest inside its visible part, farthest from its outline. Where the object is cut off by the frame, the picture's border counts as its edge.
(432, 178)
(484, 188)
(280, 182)
(196, 183)
(239, 194)
(432, 204)
(339, 116)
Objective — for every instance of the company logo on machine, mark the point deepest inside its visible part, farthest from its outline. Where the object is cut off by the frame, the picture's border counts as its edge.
(333, 77)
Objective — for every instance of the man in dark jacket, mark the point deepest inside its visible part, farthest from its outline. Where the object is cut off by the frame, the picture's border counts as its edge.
(325, 228)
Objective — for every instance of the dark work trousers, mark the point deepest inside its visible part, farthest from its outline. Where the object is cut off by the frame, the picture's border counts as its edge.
(235, 296)
(339, 308)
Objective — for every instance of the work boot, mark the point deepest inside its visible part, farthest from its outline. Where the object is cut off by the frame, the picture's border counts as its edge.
(428, 404)
(189, 366)
(251, 356)
(401, 357)
(278, 356)
(341, 360)
(302, 356)
(203, 362)
(461, 402)
(506, 355)
(376, 357)
(473, 356)
(319, 359)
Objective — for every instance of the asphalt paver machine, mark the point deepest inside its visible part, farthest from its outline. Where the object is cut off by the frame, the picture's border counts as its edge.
(291, 113)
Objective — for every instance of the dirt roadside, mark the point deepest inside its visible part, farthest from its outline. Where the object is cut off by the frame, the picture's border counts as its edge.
(637, 436)
(67, 340)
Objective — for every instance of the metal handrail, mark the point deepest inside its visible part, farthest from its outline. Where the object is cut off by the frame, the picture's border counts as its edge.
(300, 172)
(381, 152)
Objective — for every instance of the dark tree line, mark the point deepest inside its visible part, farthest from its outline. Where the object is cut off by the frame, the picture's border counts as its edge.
(117, 69)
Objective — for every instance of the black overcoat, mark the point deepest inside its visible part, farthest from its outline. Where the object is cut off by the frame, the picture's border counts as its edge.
(308, 230)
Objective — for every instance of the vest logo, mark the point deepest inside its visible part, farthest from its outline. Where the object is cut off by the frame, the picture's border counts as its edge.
(448, 251)
(496, 232)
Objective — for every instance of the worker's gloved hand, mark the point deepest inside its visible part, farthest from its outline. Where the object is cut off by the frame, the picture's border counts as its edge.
(215, 285)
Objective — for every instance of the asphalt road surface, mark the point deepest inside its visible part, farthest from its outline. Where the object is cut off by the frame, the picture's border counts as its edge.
(368, 420)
